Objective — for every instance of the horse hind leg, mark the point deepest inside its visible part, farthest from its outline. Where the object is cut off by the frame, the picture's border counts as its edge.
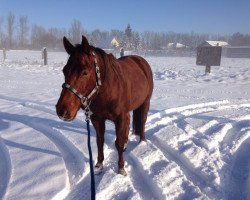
(122, 130)
(140, 118)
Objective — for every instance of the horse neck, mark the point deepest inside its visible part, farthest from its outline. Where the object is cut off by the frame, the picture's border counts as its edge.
(107, 70)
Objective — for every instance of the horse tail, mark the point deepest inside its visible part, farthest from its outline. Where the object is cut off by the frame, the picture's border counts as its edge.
(136, 121)
(140, 118)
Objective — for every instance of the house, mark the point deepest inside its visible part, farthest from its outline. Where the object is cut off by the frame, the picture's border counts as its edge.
(108, 43)
(114, 42)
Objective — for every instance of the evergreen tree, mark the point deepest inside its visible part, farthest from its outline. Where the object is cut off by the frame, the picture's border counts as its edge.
(128, 37)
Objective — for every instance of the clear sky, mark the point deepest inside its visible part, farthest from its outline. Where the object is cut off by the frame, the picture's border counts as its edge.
(201, 16)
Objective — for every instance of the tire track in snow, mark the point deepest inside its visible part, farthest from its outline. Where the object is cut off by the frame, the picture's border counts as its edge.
(5, 168)
(21, 101)
(162, 119)
(238, 180)
(237, 135)
(163, 174)
(74, 181)
(73, 158)
(148, 190)
(197, 178)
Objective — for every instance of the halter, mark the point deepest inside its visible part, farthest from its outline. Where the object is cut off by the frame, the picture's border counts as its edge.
(85, 99)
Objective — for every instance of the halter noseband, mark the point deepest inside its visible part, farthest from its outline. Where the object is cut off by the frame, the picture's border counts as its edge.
(85, 100)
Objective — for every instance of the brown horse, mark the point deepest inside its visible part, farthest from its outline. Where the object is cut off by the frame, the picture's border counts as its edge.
(110, 88)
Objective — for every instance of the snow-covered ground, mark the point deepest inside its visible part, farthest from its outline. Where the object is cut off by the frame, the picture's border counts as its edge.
(198, 135)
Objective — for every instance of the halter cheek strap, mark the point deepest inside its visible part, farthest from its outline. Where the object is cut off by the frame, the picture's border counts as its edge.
(85, 100)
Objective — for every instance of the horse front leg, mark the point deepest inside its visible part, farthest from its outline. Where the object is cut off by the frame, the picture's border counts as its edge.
(122, 131)
(99, 125)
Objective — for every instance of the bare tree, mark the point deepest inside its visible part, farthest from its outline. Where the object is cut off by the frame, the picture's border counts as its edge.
(76, 31)
(1, 32)
(38, 37)
(10, 29)
(23, 31)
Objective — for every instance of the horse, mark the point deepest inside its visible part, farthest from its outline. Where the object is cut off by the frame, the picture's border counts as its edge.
(110, 88)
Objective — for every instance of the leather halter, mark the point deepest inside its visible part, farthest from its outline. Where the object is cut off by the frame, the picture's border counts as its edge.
(85, 99)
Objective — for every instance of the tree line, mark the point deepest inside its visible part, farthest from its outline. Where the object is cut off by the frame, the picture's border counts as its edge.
(17, 33)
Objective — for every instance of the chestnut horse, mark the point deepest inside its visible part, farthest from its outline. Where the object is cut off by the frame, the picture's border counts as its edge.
(110, 88)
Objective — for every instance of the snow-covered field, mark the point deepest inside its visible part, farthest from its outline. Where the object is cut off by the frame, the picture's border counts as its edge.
(198, 135)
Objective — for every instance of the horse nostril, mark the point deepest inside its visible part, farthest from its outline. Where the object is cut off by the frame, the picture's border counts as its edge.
(64, 114)
(61, 112)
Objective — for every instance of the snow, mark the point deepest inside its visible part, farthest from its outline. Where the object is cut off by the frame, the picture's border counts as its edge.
(198, 135)
(217, 43)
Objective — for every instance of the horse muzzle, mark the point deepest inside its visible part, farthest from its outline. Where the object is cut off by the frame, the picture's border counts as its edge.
(64, 114)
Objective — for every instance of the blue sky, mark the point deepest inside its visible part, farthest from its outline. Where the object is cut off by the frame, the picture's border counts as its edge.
(201, 16)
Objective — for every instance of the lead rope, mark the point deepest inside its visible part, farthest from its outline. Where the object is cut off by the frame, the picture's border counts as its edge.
(87, 114)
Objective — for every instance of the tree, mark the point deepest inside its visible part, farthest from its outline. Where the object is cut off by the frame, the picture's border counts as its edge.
(23, 31)
(75, 31)
(238, 39)
(38, 37)
(10, 29)
(128, 37)
(95, 37)
(1, 32)
(128, 31)
(137, 41)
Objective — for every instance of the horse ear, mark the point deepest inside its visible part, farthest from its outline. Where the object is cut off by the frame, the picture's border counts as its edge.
(68, 46)
(85, 45)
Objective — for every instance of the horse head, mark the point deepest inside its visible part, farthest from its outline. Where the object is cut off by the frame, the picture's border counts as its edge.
(80, 74)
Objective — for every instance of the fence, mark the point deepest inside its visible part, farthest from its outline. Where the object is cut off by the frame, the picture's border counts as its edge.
(31, 57)
(238, 52)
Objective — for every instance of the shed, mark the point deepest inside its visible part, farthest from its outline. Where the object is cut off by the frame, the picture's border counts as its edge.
(238, 52)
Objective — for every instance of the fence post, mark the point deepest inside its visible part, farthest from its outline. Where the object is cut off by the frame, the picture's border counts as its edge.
(208, 69)
(45, 56)
(42, 53)
(4, 54)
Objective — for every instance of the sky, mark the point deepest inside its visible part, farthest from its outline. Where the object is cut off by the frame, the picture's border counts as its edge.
(199, 16)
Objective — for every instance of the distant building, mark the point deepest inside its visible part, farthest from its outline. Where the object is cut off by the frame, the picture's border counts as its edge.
(208, 43)
(176, 45)
(114, 43)
(238, 52)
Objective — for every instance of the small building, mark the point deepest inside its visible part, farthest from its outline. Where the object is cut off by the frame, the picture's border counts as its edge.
(114, 43)
(238, 52)
(176, 45)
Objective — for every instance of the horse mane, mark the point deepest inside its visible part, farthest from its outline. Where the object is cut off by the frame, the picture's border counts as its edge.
(108, 59)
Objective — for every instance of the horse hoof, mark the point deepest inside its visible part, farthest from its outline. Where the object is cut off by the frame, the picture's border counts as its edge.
(142, 140)
(98, 168)
(122, 172)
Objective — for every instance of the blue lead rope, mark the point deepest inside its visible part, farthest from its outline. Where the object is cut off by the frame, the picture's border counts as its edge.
(90, 161)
